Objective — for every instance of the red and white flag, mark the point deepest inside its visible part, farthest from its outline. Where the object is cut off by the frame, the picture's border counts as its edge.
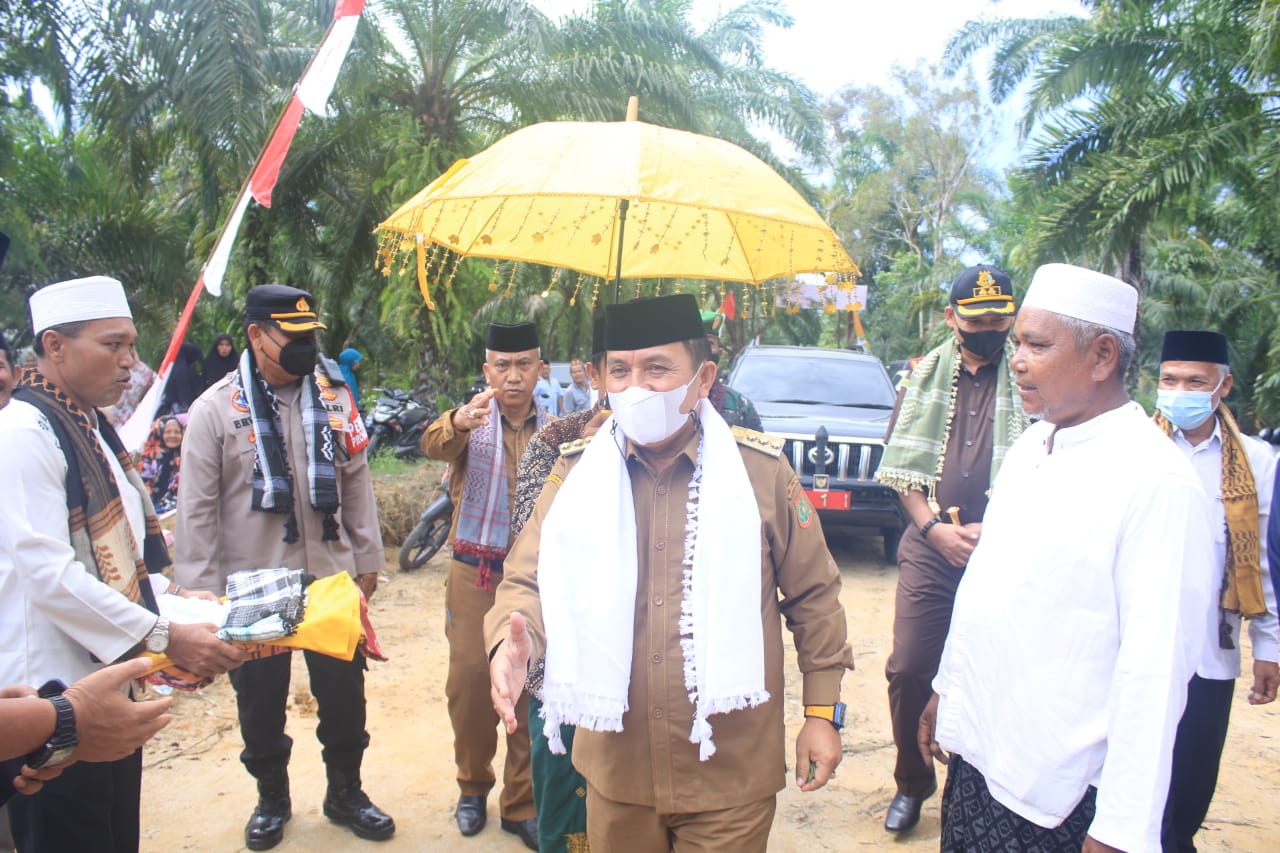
(310, 94)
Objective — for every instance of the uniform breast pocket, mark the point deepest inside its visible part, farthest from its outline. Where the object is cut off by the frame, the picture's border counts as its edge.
(245, 460)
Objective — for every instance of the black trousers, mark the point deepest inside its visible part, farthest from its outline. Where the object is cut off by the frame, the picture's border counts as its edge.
(921, 618)
(1197, 751)
(90, 808)
(262, 687)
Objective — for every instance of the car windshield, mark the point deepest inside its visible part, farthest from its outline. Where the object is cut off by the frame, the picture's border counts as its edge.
(830, 381)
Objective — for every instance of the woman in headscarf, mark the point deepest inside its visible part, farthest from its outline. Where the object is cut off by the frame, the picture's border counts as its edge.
(221, 360)
(184, 383)
(159, 462)
(347, 361)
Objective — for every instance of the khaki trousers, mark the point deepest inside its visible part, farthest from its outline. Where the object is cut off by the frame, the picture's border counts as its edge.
(475, 723)
(621, 828)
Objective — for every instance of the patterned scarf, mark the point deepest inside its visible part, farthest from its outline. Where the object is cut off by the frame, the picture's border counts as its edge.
(100, 532)
(915, 454)
(1242, 590)
(484, 516)
(272, 481)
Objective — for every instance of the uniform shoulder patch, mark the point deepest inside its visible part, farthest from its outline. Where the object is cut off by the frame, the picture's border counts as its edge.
(758, 440)
(573, 448)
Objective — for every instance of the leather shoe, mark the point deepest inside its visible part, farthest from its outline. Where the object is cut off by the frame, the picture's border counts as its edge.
(349, 806)
(470, 814)
(904, 811)
(527, 830)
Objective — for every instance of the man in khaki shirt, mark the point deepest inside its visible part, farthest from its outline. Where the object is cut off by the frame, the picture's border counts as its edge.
(649, 786)
(482, 482)
(322, 519)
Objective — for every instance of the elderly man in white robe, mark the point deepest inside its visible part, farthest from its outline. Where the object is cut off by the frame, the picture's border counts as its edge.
(1081, 616)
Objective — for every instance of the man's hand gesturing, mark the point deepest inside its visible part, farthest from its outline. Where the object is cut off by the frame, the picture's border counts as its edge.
(508, 670)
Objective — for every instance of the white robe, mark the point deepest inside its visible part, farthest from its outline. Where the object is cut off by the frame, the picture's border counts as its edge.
(55, 616)
(1078, 623)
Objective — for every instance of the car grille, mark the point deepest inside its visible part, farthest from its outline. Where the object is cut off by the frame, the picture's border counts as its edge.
(847, 462)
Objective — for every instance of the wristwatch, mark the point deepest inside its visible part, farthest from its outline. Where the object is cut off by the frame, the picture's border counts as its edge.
(833, 714)
(158, 640)
(64, 740)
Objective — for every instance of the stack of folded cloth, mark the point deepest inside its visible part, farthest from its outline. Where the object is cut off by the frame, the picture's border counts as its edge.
(266, 604)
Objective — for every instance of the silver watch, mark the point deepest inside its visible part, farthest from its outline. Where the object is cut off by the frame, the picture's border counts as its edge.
(158, 639)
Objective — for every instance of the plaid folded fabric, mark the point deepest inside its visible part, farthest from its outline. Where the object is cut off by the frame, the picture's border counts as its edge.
(263, 631)
(256, 594)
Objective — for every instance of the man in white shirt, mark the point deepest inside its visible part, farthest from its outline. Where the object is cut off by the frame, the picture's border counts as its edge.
(1238, 474)
(1080, 617)
(79, 541)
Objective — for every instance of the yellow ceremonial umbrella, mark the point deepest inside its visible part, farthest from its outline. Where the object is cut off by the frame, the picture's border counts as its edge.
(628, 199)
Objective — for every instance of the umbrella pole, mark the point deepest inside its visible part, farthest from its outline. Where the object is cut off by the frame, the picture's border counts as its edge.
(622, 227)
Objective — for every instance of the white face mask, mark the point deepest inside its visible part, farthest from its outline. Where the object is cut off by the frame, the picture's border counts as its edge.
(648, 417)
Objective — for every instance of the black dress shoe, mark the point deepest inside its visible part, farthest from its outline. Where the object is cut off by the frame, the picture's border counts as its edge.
(904, 811)
(349, 806)
(526, 829)
(470, 814)
(265, 828)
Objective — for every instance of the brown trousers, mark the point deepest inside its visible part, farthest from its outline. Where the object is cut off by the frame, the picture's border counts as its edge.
(614, 827)
(921, 618)
(475, 723)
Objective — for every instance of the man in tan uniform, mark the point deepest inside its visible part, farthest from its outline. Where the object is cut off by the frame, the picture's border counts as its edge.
(274, 473)
(483, 441)
(665, 655)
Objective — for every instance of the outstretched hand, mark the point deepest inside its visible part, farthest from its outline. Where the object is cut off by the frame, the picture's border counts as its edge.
(508, 671)
(110, 726)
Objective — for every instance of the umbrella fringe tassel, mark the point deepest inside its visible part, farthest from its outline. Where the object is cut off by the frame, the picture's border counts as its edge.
(423, 284)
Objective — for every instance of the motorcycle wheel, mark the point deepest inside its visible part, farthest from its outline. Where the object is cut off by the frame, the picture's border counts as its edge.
(376, 436)
(421, 545)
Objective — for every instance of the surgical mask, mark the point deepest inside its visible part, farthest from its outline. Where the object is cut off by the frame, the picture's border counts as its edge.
(1187, 409)
(984, 344)
(648, 417)
(298, 357)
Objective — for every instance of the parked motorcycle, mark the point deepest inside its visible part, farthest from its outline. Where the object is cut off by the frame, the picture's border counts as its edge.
(397, 421)
(431, 531)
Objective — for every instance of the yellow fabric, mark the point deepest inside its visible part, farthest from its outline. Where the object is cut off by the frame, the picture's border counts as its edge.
(699, 207)
(331, 626)
(1243, 590)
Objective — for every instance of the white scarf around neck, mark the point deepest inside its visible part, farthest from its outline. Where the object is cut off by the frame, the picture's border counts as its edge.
(587, 577)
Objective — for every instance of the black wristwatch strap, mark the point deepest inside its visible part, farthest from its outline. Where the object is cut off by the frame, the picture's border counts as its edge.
(928, 525)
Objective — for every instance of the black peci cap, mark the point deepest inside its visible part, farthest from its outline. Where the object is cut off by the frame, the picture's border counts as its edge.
(517, 337)
(1189, 345)
(652, 322)
(597, 333)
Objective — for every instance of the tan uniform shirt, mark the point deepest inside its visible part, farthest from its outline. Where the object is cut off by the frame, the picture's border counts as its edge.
(447, 443)
(651, 762)
(217, 532)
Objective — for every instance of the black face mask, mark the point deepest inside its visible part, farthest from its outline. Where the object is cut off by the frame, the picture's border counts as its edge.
(985, 344)
(298, 357)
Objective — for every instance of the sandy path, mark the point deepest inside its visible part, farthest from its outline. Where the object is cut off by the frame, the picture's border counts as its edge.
(197, 797)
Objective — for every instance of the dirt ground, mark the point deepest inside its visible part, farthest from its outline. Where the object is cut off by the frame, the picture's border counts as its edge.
(197, 797)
